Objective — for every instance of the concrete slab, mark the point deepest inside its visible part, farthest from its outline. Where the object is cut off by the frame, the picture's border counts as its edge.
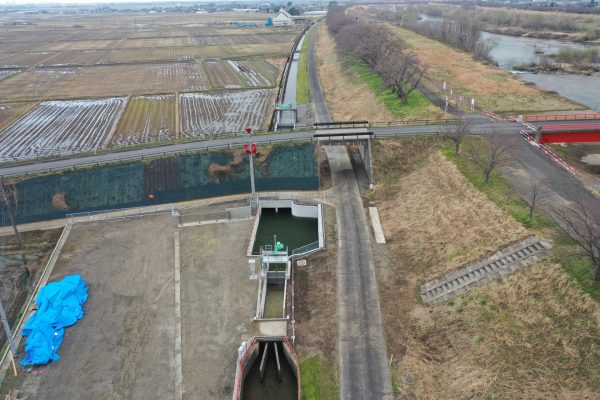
(379, 236)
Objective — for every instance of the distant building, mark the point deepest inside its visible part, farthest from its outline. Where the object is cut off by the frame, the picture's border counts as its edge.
(283, 18)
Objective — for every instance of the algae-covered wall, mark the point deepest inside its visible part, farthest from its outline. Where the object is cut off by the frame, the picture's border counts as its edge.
(194, 176)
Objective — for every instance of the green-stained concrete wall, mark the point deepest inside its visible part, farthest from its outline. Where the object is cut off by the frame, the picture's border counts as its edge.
(165, 180)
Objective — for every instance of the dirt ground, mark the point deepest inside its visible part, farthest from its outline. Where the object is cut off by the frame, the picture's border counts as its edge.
(532, 335)
(316, 301)
(129, 316)
(348, 97)
(125, 345)
(218, 300)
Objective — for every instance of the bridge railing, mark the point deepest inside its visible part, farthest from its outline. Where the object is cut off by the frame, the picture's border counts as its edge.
(341, 124)
(566, 128)
(561, 117)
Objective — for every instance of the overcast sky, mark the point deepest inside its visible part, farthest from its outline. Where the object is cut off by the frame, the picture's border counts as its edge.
(20, 2)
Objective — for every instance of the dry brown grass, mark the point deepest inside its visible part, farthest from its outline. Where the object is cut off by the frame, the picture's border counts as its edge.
(439, 217)
(533, 336)
(492, 87)
(348, 97)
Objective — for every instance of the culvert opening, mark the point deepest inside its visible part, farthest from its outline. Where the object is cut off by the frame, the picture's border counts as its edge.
(272, 374)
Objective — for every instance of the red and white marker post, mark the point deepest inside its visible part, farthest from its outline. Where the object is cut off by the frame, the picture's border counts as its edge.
(251, 151)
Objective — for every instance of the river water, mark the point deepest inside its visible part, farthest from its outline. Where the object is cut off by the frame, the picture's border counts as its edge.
(512, 50)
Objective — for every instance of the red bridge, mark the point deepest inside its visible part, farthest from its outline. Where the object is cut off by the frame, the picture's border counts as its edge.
(569, 133)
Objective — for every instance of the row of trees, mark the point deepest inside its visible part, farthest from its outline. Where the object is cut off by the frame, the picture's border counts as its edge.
(462, 32)
(379, 49)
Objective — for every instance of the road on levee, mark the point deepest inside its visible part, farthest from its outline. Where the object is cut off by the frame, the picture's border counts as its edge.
(364, 372)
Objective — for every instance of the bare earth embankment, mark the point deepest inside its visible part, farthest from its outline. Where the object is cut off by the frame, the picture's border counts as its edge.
(533, 335)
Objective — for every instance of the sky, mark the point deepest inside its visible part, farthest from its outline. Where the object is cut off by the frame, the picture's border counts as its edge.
(41, 2)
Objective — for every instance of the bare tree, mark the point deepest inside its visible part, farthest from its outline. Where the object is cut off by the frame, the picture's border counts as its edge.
(491, 153)
(456, 132)
(401, 71)
(584, 227)
(534, 195)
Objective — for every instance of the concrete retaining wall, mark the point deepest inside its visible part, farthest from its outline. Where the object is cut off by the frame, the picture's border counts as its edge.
(160, 181)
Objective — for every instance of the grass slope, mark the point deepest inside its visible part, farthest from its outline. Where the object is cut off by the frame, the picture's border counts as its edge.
(418, 106)
(501, 192)
(534, 334)
(303, 84)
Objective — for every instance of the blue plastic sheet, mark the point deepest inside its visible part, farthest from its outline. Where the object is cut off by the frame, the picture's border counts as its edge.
(60, 304)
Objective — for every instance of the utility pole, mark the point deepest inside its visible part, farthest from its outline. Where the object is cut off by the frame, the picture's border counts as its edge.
(9, 338)
(250, 151)
(4, 199)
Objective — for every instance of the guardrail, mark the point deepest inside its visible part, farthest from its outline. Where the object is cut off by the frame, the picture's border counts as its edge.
(308, 248)
(561, 117)
(384, 124)
(548, 152)
(119, 213)
(341, 124)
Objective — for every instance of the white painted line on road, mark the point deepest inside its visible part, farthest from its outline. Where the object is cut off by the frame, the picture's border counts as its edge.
(178, 363)
(379, 236)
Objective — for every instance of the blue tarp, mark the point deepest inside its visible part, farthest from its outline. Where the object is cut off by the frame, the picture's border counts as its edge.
(59, 304)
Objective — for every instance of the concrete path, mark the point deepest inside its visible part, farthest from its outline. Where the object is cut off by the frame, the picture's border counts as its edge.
(364, 372)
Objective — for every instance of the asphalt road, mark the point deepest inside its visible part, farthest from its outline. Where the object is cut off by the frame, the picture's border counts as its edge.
(178, 148)
(364, 372)
(319, 104)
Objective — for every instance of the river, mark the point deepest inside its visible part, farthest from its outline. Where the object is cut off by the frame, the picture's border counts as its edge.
(510, 51)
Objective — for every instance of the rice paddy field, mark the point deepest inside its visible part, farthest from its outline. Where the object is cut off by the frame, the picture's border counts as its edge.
(147, 119)
(213, 114)
(61, 127)
(72, 82)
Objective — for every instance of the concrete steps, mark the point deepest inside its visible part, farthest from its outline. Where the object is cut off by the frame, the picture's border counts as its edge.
(498, 265)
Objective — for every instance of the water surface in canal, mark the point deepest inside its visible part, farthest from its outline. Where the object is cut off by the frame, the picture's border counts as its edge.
(293, 232)
(270, 388)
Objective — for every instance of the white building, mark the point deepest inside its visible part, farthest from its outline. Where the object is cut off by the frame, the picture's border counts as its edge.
(282, 18)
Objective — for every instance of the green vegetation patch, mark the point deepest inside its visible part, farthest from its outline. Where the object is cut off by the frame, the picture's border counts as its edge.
(319, 379)
(303, 83)
(418, 106)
